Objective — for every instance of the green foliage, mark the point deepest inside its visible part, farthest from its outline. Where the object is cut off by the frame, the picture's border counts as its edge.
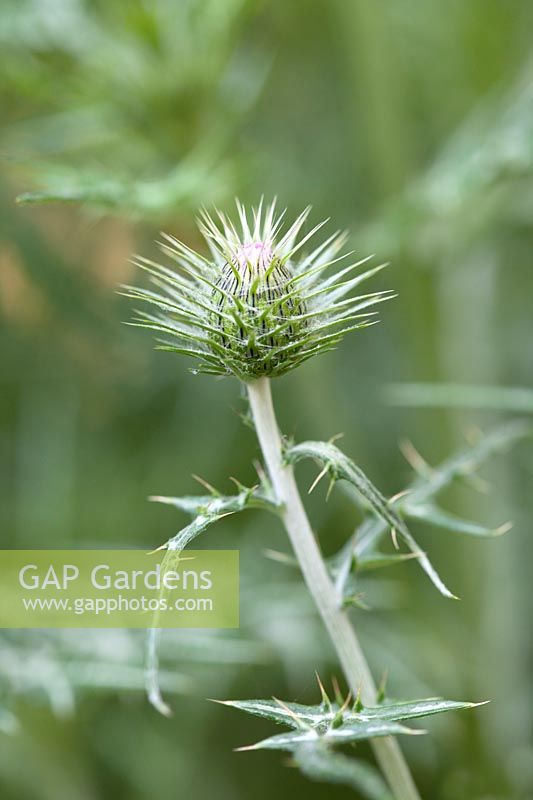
(340, 467)
(208, 509)
(315, 732)
(205, 510)
(463, 464)
(104, 132)
(413, 128)
(57, 669)
(339, 722)
(416, 502)
(361, 553)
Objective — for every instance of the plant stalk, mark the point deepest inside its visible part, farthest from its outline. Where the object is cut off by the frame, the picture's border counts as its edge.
(320, 585)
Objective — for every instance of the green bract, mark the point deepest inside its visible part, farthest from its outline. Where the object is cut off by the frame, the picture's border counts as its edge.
(256, 306)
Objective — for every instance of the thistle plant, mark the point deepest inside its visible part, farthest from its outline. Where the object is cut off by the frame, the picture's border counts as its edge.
(259, 303)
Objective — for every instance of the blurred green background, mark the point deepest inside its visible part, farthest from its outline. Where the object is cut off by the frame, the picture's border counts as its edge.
(411, 123)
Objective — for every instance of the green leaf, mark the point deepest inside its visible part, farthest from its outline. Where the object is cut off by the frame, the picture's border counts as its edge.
(340, 467)
(320, 763)
(321, 717)
(217, 505)
(206, 510)
(291, 714)
(315, 732)
(370, 729)
(417, 502)
(435, 516)
(377, 560)
(467, 461)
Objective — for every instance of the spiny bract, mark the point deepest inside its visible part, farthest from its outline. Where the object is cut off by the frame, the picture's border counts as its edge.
(253, 308)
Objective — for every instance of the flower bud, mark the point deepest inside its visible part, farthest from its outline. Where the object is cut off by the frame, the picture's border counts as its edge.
(259, 314)
(256, 306)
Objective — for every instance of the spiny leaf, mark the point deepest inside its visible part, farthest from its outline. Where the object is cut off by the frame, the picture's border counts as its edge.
(376, 560)
(468, 460)
(216, 505)
(282, 714)
(206, 510)
(416, 502)
(298, 716)
(341, 467)
(315, 732)
(184, 537)
(372, 729)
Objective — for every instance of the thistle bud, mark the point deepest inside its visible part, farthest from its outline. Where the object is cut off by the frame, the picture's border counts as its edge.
(259, 314)
(253, 308)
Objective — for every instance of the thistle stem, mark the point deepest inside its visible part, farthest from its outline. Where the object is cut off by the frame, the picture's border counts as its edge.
(315, 573)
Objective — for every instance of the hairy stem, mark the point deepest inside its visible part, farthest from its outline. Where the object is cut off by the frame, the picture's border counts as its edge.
(319, 583)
